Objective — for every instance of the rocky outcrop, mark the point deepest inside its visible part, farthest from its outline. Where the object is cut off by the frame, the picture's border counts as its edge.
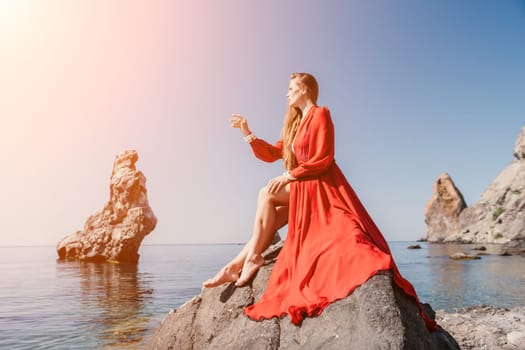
(486, 327)
(116, 232)
(375, 316)
(414, 246)
(519, 147)
(443, 209)
(498, 217)
(464, 256)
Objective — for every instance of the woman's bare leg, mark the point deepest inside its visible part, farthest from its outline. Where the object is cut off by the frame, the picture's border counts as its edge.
(269, 206)
(266, 221)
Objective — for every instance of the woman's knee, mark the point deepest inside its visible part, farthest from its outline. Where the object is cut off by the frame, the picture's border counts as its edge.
(264, 196)
(267, 198)
(275, 199)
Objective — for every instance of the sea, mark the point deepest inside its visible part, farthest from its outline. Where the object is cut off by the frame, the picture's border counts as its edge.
(50, 304)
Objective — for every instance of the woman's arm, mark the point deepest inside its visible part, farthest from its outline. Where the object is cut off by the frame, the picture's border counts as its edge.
(262, 149)
(321, 146)
(265, 151)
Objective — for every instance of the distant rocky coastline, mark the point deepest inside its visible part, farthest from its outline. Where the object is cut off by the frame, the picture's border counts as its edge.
(115, 234)
(498, 217)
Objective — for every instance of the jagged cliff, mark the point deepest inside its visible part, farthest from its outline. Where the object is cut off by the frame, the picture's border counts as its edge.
(498, 217)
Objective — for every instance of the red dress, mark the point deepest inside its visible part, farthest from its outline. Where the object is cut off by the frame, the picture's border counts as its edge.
(332, 245)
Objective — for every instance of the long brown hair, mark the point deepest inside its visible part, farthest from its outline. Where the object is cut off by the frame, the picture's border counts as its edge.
(294, 115)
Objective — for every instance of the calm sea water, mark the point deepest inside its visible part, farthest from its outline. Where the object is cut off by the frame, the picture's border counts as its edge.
(47, 304)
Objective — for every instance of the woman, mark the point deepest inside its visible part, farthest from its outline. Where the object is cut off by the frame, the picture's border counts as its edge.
(332, 245)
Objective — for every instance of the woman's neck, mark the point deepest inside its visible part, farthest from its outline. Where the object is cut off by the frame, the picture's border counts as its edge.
(307, 108)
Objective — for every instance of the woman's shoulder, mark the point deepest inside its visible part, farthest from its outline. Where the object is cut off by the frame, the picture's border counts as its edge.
(322, 112)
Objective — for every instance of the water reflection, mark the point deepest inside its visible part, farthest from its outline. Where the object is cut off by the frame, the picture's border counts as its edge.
(492, 280)
(113, 299)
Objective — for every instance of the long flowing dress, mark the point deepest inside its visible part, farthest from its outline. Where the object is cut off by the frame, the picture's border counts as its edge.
(332, 245)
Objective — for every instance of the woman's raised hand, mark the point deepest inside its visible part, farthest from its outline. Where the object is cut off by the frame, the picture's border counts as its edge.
(239, 122)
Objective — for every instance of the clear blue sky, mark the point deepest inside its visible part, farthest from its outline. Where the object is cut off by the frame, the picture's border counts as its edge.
(416, 88)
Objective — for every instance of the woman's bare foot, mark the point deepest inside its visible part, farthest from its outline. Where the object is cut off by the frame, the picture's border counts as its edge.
(249, 269)
(225, 275)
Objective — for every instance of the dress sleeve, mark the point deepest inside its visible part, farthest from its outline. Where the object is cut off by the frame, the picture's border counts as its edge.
(321, 146)
(267, 152)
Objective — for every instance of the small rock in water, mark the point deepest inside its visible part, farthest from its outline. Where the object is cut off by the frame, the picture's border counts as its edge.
(464, 256)
(515, 247)
(505, 253)
(483, 248)
(415, 246)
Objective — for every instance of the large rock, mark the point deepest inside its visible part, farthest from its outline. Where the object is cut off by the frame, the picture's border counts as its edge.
(116, 232)
(376, 315)
(498, 217)
(443, 209)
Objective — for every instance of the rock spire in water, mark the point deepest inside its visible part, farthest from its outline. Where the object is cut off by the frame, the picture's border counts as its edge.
(443, 209)
(116, 232)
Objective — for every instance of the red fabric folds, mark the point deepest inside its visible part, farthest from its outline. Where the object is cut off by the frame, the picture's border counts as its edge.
(333, 245)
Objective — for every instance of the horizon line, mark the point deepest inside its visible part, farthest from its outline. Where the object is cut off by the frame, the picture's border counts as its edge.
(167, 244)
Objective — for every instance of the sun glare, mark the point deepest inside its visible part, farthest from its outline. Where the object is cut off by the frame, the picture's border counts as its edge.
(16, 15)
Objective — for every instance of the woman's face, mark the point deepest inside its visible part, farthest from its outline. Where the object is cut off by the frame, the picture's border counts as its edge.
(296, 94)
